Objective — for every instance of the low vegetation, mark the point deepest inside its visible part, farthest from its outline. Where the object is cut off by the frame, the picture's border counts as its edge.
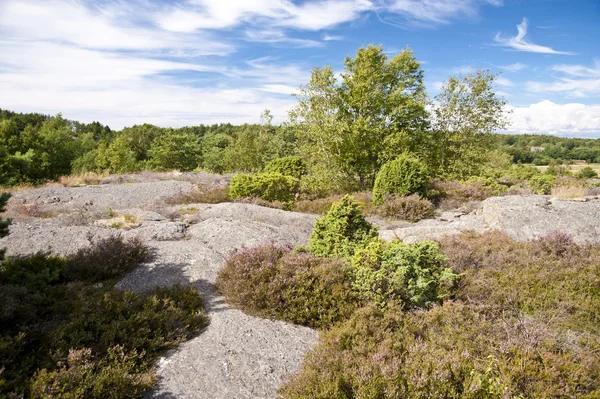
(297, 287)
(473, 316)
(65, 331)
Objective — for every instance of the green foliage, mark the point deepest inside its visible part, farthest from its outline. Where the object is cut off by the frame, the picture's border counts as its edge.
(587, 173)
(175, 149)
(288, 166)
(412, 208)
(349, 127)
(296, 287)
(414, 275)
(467, 111)
(404, 175)
(70, 339)
(342, 230)
(267, 186)
(542, 184)
(34, 272)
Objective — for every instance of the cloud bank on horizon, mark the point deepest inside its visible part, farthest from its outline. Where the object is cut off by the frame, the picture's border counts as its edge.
(186, 62)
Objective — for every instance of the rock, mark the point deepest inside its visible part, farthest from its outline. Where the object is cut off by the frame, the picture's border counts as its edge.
(522, 217)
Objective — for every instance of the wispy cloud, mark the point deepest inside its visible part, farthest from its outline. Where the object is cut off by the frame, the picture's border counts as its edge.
(519, 42)
(219, 14)
(516, 67)
(579, 70)
(501, 81)
(573, 81)
(329, 38)
(427, 13)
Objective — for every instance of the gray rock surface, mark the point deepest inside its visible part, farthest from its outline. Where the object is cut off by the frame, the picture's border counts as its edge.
(522, 217)
(102, 197)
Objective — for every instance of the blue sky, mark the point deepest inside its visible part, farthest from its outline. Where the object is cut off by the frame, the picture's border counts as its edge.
(176, 63)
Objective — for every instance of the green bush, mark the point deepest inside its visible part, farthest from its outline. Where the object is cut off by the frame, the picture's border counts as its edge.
(288, 166)
(34, 272)
(415, 275)
(267, 186)
(296, 287)
(404, 175)
(342, 230)
(587, 173)
(412, 208)
(542, 184)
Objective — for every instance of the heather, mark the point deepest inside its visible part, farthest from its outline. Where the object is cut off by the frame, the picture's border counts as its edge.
(67, 332)
(523, 322)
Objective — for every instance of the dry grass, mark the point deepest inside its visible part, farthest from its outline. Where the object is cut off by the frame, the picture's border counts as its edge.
(35, 211)
(569, 191)
(82, 179)
(202, 195)
(575, 167)
(321, 206)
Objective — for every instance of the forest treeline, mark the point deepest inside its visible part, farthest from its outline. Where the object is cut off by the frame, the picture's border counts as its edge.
(36, 147)
(346, 127)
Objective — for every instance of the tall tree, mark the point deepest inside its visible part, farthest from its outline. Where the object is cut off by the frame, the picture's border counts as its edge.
(466, 113)
(376, 111)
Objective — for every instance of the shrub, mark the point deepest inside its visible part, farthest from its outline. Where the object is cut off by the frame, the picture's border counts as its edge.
(106, 259)
(44, 324)
(522, 172)
(341, 230)
(114, 376)
(453, 194)
(542, 184)
(412, 208)
(34, 272)
(404, 175)
(296, 287)
(587, 173)
(414, 275)
(288, 166)
(523, 323)
(267, 186)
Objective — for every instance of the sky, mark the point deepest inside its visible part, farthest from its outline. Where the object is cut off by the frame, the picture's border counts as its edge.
(186, 62)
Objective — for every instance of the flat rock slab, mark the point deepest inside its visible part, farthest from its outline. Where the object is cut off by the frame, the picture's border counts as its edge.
(102, 197)
(522, 217)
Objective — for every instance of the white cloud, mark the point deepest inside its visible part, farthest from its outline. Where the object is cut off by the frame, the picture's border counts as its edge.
(275, 36)
(516, 67)
(329, 38)
(500, 81)
(519, 42)
(547, 117)
(94, 28)
(218, 14)
(577, 81)
(579, 70)
(427, 12)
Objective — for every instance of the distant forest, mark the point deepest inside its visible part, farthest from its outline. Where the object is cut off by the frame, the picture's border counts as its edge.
(36, 147)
